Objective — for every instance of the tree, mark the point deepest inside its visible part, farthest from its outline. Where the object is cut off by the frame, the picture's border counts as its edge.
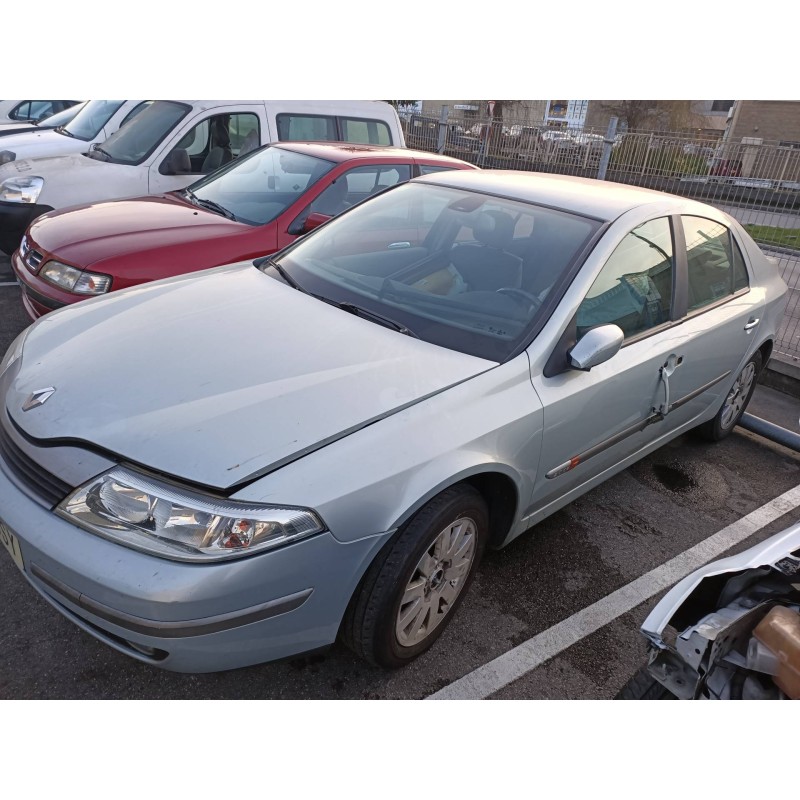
(653, 114)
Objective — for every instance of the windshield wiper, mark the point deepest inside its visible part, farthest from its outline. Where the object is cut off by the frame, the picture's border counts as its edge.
(215, 207)
(62, 129)
(375, 317)
(267, 261)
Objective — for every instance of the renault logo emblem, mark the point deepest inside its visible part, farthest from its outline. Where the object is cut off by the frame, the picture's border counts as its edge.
(37, 398)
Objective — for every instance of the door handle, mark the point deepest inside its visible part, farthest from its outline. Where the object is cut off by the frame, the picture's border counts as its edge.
(672, 363)
(751, 323)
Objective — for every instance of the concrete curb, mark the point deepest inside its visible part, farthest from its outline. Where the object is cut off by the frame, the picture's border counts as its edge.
(783, 375)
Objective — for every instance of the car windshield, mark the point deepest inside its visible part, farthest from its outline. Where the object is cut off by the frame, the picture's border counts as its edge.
(61, 118)
(89, 121)
(261, 186)
(136, 139)
(460, 269)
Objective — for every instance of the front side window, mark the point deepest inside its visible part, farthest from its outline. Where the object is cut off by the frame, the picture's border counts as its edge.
(212, 143)
(634, 288)
(715, 265)
(89, 121)
(475, 281)
(262, 185)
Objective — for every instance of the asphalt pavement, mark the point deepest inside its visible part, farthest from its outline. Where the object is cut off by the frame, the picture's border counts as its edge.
(601, 543)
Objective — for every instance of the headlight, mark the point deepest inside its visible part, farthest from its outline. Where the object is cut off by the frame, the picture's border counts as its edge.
(142, 513)
(74, 280)
(21, 189)
(6, 156)
(13, 352)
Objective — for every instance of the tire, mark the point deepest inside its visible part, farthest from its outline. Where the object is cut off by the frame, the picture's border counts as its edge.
(643, 686)
(418, 574)
(729, 414)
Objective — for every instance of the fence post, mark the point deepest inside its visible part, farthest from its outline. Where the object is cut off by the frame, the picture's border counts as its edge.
(607, 144)
(442, 130)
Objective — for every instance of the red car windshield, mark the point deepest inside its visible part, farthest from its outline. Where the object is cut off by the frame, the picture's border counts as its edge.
(259, 187)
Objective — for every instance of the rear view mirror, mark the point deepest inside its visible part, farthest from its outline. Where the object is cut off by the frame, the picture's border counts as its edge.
(596, 346)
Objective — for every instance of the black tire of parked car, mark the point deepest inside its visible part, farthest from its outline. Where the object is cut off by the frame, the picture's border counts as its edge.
(368, 627)
(714, 430)
(643, 686)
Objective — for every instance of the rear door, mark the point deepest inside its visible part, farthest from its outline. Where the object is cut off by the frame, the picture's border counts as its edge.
(721, 317)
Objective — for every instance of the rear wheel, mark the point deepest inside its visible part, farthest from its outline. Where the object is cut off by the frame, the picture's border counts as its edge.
(735, 403)
(410, 592)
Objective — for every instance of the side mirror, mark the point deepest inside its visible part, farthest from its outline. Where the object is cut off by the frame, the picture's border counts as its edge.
(598, 345)
(313, 220)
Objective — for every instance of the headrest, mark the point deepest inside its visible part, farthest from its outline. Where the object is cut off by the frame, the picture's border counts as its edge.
(494, 228)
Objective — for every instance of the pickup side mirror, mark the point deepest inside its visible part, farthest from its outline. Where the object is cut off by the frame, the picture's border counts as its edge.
(597, 345)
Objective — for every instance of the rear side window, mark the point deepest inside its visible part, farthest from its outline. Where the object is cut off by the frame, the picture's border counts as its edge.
(321, 128)
(305, 127)
(365, 131)
(715, 265)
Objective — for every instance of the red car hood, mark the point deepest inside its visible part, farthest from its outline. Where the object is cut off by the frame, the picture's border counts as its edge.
(89, 234)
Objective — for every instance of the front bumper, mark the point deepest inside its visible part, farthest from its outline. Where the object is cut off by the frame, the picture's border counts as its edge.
(187, 617)
(14, 221)
(763, 554)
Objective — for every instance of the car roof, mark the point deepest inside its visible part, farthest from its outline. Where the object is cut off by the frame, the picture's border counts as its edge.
(603, 200)
(349, 151)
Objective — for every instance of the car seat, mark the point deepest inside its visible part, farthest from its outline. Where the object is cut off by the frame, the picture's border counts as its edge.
(489, 266)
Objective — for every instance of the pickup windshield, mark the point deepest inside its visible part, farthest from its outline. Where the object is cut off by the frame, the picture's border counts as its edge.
(89, 121)
(135, 140)
(261, 186)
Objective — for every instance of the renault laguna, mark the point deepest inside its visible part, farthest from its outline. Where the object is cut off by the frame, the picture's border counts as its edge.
(249, 462)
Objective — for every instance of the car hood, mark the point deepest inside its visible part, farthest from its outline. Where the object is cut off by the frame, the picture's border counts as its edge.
(31, 147)
(89, 234)
(220, 376)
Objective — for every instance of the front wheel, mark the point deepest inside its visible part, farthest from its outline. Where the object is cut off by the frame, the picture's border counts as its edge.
(735, 403)
(411, 590)
(643, 686)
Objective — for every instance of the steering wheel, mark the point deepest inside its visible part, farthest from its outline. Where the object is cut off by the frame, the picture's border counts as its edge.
(530, 301)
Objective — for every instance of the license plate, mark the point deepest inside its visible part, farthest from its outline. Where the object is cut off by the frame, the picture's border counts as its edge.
(11, 543)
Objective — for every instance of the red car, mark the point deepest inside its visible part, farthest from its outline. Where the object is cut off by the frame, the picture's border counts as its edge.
(252, 207)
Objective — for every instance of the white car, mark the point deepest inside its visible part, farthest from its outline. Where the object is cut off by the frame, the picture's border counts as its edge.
(27, 110)
(164, 145)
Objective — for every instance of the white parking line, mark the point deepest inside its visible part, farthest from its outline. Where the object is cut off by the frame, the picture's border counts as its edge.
(10, 283)
(510, 666)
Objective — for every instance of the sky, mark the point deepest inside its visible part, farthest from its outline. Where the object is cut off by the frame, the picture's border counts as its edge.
(358, 49)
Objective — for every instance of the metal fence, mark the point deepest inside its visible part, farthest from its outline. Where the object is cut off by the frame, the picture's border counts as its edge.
(754, 181)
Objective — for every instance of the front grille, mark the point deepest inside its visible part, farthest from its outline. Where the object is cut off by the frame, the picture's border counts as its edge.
(31, 257)
(47, 488)
(33, 260)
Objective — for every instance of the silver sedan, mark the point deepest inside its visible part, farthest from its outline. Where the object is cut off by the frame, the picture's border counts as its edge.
(246, 463)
